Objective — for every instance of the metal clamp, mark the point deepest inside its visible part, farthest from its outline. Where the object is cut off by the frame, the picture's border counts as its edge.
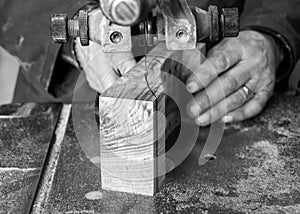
(175, 23)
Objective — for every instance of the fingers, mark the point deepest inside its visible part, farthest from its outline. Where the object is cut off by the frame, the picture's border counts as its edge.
(99, 73)
(232, 102)
(122, 61)
(250, 109)
(94, 82)
(225, 85)
(220, 59)
(193, 59)
(99, 66)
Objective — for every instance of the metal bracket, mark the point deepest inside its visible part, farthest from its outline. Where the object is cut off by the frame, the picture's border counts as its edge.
(115, 38)
(180, 25)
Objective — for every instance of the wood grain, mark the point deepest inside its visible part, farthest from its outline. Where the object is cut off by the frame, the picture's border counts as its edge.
(134, 125)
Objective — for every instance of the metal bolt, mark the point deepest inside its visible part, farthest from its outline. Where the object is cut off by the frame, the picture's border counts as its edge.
(116, 37)
(59, 33)
(63, 28)
(182, 35)
(230, 22)
(214, 23)
(73, 28)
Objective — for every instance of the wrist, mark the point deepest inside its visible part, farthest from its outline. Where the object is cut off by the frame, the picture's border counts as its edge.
(284, 52)
(276, 47)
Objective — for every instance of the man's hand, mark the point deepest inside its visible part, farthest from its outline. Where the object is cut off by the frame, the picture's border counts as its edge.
(236, 80)
(102, 70)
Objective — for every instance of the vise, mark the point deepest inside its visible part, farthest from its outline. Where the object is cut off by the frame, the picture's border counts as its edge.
(172, 21)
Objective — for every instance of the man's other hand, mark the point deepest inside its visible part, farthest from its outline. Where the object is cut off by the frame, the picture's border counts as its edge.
(236, 80)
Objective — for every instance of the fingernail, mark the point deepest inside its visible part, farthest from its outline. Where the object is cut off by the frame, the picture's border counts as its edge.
(195, 110)
(192, 87)
(203, 120)
(227, 119)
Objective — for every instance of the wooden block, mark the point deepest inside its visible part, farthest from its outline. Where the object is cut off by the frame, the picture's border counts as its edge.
(129, 146)
(134, 125)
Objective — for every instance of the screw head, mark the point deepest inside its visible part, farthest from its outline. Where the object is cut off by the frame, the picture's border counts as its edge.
(182, 35)
(116, 37)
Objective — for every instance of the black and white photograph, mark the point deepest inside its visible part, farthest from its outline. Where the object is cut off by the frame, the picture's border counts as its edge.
(149, 107)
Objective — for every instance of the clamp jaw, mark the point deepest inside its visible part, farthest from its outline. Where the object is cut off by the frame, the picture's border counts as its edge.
(172, 21)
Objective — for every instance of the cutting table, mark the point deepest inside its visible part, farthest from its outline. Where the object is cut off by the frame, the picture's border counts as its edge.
(43, 168)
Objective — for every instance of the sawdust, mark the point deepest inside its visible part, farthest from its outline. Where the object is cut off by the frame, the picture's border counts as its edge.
(287, 133)
(78, 212)
(95, 195)
(236, 126)
(266, 184)
(266, 180)
(16, 188)
(285, 126)
(25, 110)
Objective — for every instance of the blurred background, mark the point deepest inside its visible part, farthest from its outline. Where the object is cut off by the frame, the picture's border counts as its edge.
(9, 68)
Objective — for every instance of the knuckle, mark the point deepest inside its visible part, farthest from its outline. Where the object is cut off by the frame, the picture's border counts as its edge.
(217, 113)
(220, 61)
(204, 77)
(239, 98)
(230, 82)
(203, 101)
(255, 43)
(260, 60)
(253, 111)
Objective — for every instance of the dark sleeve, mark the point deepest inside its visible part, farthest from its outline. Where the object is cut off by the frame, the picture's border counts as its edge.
(280, 19)
(25, 33)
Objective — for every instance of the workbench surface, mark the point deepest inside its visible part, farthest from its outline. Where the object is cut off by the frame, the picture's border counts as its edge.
(43, 167)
